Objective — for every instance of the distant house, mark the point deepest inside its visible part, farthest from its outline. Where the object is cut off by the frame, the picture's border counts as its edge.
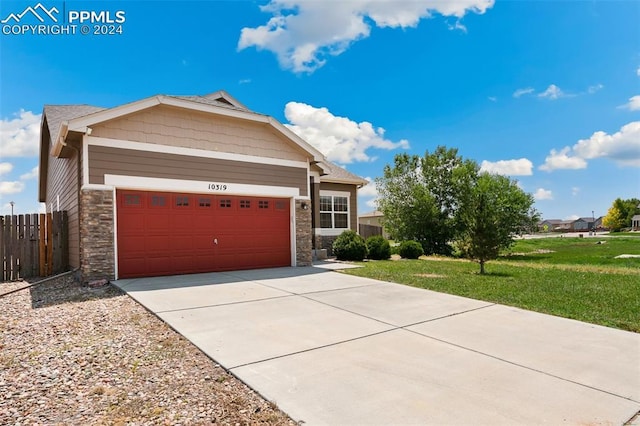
(635, 223)
(555, 225)
(371, 224)
(583, 224)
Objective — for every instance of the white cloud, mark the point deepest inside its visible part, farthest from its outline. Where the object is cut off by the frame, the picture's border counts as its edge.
(638, 72)
(522, 92)
(339, 138)
(595, 88)
(572, 217)
(561, 160)
(633, 104)
(369, 190)
(33, 174)
(543, 194)
(493, 98)
(519, 167)
(575, 191)
(304, 33)
(19, 136)
(553, 92)
(5, 168)
(372, 203)
(7, 188)
(623, 147)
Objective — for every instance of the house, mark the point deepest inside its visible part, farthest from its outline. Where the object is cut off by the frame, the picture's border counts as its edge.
(583, 224)
(184, 184)
(371, 224)
(555, 225)
(635, 222)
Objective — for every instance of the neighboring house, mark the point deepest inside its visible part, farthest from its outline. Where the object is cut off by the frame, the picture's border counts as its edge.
(184, 184)
(583, 224)
(372, 219)
(555, 225)
(635, 223)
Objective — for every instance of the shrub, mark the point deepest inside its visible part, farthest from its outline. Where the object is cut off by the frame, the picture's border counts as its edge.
(349, 246)
(411, 249)
(378, 247)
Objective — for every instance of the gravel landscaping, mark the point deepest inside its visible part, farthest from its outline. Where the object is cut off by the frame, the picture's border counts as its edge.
(70, 354)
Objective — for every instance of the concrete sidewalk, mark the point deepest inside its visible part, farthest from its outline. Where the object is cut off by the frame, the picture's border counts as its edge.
(330, 348)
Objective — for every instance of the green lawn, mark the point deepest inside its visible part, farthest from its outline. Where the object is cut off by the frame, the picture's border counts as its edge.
(576, 278)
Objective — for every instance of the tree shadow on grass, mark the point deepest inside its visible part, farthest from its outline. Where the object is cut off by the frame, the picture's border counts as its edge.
(67, 290)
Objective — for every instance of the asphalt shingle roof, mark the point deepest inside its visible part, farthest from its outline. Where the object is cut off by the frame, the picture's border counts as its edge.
(56, 114)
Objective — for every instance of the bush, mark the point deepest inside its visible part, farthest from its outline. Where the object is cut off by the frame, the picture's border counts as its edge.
(411, 250)
(378, 247)
(349, 246)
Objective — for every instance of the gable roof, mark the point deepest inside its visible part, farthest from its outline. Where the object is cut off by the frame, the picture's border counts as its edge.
(337, 174)
(62, 119)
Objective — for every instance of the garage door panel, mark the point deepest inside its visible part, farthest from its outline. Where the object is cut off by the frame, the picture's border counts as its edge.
(163, 233)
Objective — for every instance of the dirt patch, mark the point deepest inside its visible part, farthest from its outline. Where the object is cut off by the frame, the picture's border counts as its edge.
(429, 275)
(539, 251)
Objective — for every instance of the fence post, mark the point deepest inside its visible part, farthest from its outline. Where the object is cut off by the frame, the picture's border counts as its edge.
(2, 249)
(42, 246)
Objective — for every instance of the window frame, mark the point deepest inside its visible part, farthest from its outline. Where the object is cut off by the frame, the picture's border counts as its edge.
(333, 212)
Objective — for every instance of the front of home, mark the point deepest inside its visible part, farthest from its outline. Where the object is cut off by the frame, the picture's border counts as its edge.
(184, 184)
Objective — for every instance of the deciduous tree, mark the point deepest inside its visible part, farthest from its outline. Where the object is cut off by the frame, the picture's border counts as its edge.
(491, 214)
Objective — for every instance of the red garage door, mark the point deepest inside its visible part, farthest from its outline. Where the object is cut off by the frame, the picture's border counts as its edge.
(162, 233)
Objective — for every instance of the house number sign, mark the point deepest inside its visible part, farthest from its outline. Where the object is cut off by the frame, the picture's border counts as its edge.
(218, 187)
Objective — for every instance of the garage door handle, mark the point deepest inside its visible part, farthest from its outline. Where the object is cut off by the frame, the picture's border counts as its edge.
(215, 241)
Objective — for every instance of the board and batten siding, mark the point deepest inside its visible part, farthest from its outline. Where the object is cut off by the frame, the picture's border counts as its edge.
(353, 201)
(166, 125)
(128, 162)
(63, 185)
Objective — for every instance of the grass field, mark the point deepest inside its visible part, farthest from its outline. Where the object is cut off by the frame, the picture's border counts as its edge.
(569, 277)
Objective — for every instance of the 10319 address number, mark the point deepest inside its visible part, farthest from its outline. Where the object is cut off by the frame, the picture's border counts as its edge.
(217, 187)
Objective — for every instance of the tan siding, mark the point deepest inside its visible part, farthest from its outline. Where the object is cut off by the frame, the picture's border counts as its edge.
(353, 200)
(189, 129)
(127, 162)
(62, 181)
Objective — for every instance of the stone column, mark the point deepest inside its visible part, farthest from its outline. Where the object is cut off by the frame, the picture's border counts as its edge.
(303, 233)
(96, 235)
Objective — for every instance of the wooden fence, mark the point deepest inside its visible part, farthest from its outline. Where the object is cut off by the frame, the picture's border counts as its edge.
(367, 231)
(34, 245)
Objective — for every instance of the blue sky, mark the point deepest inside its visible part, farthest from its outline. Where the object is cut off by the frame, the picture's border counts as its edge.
(547, 92)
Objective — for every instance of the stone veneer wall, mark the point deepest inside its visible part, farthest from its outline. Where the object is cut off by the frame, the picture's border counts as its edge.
(96, 235)
(303, 233)
(326, 242)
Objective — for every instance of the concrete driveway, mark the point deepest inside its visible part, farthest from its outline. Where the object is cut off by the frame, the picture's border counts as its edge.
(330, 348)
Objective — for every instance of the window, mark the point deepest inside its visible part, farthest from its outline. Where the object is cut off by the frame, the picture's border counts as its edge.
(225, 204)
(158, 201)
(204, 202)
(245, 204)
(334, 211)
(263, 204)
(281, 205)
(182, 201)
(130, 200)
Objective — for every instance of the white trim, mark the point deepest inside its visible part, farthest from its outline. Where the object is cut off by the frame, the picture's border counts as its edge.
(292, 233)
(198, 187)
(330, 232)
(193, 152)
(115, 234)
(85, 160)
(335, 193)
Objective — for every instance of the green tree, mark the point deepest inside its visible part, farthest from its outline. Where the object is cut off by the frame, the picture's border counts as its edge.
(491, 214)
(620, 213)
(419, 197)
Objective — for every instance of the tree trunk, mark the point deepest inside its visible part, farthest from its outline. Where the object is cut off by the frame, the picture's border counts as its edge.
(482, 267)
